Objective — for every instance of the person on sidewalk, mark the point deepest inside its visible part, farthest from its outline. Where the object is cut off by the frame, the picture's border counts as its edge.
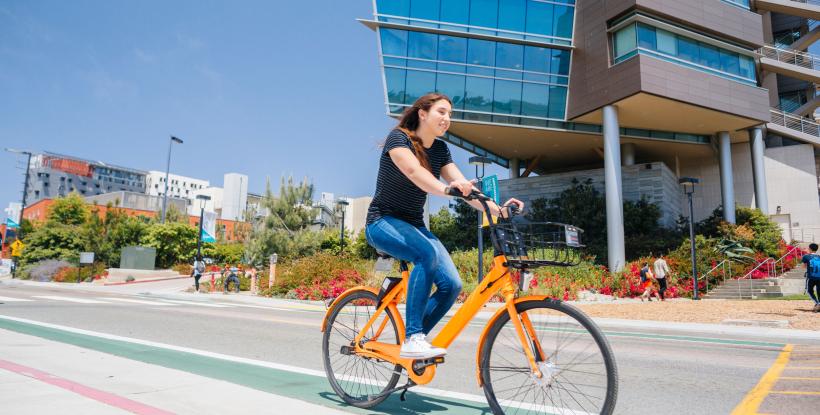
(646, 282)
(199, 269)
(812, 261)
(231, 277)
(661, 269)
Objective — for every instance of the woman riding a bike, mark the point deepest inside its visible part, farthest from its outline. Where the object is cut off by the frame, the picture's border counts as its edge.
(411, 165)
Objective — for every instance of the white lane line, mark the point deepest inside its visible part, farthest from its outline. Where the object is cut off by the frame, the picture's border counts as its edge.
(294, 369)
(70, 299)
(10, 299)
(194, 303)
(131, 300)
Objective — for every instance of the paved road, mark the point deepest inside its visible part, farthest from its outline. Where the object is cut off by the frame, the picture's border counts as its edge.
(659, 372)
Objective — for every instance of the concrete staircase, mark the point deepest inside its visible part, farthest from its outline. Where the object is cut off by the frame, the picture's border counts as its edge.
(790, 283)
(746, 289)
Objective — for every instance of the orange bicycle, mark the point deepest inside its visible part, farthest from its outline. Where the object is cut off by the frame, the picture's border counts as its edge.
(536, 355)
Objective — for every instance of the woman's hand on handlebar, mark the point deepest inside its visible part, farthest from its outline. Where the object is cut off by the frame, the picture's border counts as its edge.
(513, 206)
(464, 185)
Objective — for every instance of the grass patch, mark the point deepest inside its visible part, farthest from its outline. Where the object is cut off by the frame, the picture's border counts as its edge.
(793, 297)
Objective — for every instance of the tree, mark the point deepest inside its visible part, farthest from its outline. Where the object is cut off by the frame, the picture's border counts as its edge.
(69, 210)
(175, 242)
(172, 214)
(285, 230)
(457, 230)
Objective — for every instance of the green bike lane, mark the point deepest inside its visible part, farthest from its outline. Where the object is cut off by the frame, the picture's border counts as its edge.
(298, 383)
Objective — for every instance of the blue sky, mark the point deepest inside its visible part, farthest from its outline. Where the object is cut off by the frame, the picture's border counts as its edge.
(256, 87)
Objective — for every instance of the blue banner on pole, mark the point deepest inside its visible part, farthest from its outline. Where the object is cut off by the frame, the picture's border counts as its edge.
(11, 224)
(489, 185)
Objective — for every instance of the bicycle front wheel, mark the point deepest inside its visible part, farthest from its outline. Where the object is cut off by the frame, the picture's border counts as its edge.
(359, 380)
(579, 375)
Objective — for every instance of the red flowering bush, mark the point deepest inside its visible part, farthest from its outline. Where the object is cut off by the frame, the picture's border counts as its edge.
(322, 289)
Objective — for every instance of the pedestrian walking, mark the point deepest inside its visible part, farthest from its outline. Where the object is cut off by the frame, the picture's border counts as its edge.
(646, 282)
(661, 269)
(812, 261)
(252, 274)
(199, 269)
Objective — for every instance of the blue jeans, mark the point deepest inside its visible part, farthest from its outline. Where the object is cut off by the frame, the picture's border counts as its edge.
(432, 265)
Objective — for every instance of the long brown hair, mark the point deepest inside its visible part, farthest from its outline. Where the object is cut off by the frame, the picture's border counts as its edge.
(409, 123)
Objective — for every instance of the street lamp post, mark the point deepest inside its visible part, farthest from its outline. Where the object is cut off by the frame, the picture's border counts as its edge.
(479, 161)
(167, 173)
(688, 184)
(343, 203)
(25, 190)
(203, 199)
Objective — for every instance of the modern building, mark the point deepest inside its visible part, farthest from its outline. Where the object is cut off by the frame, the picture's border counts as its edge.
(633, 94)
(53, 175)
(178, 186)
(329, 212)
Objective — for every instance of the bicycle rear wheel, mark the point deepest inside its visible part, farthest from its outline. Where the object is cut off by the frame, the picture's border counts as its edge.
(357, 379)
(578, 367)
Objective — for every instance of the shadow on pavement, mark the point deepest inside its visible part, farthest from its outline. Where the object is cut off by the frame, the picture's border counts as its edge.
(415, 404)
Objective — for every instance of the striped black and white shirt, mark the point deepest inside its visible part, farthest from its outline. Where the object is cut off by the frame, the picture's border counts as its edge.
(396, 195)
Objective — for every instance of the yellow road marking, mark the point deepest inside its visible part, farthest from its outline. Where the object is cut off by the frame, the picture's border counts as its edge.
(755, 397)
(796, 392)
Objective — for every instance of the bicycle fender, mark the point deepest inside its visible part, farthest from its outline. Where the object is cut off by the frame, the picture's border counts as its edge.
(487, 329)
(343, 295)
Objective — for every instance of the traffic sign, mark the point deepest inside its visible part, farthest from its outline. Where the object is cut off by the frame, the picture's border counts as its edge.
(17, 248)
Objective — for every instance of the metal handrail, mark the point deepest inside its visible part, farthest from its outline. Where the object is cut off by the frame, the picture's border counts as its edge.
(781, 260)
(790, 56)
(768, 271)
(751, 280)
(795, 122)
(722, 266)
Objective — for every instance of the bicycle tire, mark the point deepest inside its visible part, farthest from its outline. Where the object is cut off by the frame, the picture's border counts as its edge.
(553, 396)
(352, 379)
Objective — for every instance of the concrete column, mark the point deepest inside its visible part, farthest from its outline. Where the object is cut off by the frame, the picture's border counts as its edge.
(614, 195)
(515, 168)
(727, 189)
(628, 154)
(758, 169)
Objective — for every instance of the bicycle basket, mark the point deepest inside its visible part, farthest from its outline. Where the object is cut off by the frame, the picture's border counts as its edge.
(537, 244)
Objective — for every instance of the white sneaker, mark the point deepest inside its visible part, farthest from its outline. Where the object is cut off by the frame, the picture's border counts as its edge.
(415, 347)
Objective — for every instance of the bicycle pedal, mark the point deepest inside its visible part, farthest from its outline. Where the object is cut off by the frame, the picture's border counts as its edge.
(420, 364)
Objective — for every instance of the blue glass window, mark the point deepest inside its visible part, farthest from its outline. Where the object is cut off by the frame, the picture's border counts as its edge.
(418, 84)
(484, 13)
(452, 49)
(509, 55)
(547, 21)
(688, 49)
(539, 18)
(507, 97)
(453, 87)
(424, 9)
(646, 37)
(557, 102)
(393, 7)
(535, 100)
(394, 42)
(478, 94)
(639, 38)
(512, 15)
(455, 11)
(395, 84)
(486, 80)
(740, 3)
(562, 21)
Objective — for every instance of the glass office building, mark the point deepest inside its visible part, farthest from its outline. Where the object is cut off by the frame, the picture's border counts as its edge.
(551, 87)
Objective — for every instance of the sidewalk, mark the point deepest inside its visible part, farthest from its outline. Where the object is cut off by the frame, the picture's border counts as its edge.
(694, 316)
(44, 376)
